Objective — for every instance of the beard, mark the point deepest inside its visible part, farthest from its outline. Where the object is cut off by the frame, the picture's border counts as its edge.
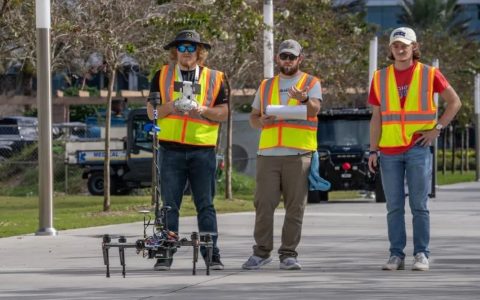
(188, 64)
(289, 71)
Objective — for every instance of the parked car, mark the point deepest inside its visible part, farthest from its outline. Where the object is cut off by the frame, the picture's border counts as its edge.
(343, 148)
(16, 132)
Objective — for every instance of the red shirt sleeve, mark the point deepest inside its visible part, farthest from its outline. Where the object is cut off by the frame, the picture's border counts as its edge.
(372, 96)
(440, 83)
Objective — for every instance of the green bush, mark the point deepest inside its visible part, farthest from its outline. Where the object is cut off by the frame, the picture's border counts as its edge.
(241, 184)
(448, 159)
(73, 91)
(19, 175)
(78, 113)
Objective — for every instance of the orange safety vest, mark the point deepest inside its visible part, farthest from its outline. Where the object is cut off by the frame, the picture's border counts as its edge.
(185, 129)
(419, 111)
(295, 134)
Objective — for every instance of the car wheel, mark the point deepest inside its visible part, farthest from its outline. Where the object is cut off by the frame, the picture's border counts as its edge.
(313, 197)
(323, 196)
(95, 183)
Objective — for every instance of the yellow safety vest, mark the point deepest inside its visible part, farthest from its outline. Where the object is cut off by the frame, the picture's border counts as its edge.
(185, 129)
(419, 111)
(295, 134)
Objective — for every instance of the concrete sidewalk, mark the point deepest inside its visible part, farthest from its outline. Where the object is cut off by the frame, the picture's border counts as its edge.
(343, 247)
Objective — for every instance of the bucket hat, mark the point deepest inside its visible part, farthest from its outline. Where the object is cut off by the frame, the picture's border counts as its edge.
(187, 36)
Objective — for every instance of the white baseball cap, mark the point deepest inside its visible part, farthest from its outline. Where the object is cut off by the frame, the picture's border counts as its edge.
(403, 34)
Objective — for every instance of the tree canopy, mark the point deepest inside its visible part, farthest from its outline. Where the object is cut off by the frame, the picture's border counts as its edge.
(443, 34)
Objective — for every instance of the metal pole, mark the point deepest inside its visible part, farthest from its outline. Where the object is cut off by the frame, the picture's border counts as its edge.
(268, 39)
(373, 58)
(435, 64)
(44, 103)
(477, 127)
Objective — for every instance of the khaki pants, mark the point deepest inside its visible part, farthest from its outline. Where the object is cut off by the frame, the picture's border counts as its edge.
(287, 177)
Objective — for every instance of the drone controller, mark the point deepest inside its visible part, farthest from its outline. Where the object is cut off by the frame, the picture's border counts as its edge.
(187, 101)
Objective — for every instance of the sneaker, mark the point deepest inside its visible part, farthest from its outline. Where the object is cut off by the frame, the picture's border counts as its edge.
(420, 262)
(290, 263)
(394, 263)
(216, 263)
(255, 262)
(163, 264)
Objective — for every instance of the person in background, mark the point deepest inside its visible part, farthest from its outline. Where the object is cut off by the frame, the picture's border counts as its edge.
(402, 128)
(284, 156)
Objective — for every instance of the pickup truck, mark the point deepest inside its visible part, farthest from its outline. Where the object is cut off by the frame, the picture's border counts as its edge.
(130, 158)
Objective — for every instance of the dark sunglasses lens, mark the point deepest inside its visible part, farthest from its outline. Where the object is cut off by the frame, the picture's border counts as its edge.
(184, 48)
(181, 48)
(285, 56)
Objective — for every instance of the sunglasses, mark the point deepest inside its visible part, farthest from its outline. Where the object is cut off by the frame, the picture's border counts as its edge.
(289, 56)
(187, 48)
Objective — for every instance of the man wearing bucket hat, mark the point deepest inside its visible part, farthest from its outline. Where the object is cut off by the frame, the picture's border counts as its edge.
(402, 128)
(284, 156)
(188, 133)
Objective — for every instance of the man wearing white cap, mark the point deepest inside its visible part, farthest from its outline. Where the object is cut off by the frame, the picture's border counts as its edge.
(402, 128)
(284, 156)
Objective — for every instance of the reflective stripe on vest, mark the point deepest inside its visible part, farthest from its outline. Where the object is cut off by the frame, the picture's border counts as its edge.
(419, 111)
(296, 134)
(180, 128)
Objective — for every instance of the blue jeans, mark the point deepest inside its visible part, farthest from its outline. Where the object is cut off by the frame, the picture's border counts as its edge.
(198, 166)
(416, 166)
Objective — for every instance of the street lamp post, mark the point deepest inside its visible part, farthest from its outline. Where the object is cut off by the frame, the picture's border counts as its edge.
(436, 64)
(44, 104)
(477, 127)
(372, 59)
(268, 39)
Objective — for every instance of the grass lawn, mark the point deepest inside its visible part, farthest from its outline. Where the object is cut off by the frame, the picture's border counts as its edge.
(19, 215)
(449, 178)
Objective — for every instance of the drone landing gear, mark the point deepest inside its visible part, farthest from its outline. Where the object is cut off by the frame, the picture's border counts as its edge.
(156, 247)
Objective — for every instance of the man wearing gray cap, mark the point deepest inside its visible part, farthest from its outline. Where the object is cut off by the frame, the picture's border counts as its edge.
(402, 128)
(284, 155)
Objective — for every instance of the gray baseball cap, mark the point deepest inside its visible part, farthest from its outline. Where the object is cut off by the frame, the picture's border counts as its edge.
(290, 46)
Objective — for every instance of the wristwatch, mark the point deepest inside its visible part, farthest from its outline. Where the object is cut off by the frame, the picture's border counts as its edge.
(439, 127)
(306, 100)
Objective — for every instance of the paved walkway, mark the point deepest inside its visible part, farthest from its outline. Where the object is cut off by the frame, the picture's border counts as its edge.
(342, 249)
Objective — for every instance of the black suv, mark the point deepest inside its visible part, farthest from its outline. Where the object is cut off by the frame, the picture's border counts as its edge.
(343, 148)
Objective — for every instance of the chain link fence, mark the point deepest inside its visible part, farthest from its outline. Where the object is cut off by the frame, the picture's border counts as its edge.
(19, 154)
(19, 171)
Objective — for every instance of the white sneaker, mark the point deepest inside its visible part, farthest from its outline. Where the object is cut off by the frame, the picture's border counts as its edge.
(290, 263)
(420, 263)
(394, 263)
(255, 262)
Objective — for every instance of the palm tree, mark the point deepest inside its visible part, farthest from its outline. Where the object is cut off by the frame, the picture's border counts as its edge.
(442, 16)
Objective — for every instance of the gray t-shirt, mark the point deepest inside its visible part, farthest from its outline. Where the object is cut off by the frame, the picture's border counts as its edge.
(285, 84)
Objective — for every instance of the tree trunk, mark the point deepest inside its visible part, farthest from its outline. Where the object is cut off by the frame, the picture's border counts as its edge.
(467, 147)
(462, 152)
(452, 146)
(228, 154)
(444, 152)
(84, 82)
(106, 166)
